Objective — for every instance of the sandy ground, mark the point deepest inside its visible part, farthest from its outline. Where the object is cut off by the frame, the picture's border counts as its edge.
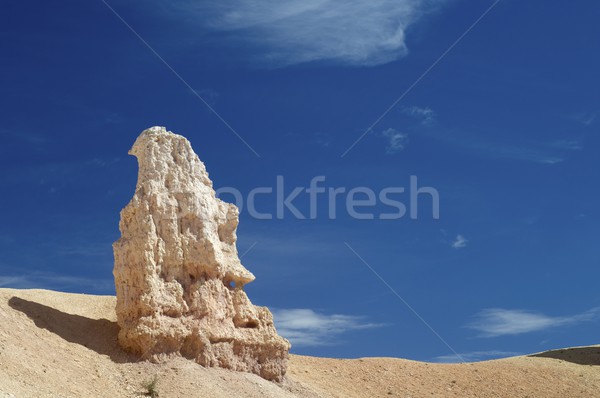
(64, 345)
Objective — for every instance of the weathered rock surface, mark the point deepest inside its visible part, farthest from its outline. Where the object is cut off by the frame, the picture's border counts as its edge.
(178, 277)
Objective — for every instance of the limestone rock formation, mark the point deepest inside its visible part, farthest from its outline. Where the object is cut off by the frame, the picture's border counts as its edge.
(178, 277)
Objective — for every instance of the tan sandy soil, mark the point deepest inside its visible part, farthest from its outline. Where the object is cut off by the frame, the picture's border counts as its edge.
(64, 345)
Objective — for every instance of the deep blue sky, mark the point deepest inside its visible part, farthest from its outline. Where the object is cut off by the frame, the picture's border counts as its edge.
(505, 127)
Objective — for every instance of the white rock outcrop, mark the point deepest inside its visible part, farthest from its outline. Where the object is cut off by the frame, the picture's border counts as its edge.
(179, 280)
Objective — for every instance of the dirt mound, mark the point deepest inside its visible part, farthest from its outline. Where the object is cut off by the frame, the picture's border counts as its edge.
(65, 345)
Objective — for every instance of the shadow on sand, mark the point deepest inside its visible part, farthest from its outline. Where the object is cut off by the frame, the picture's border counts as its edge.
(578, 355)
(99, 335)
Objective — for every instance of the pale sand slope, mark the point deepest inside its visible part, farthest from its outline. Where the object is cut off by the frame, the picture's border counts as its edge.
(64, 345)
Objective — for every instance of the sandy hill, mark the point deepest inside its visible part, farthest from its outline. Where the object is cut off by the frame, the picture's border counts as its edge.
(64, 345)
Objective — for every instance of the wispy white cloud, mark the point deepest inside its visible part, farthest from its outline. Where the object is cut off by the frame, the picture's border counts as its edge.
(36, 140)
(534, 155)
(425, 116)
(586, 118)
(475, 356)
(305, 327)
(286, 32)
(570, 145)
(41, 280)
(548, 153)
(545, 152)
(495, 322)
(397, 141)
(12, 281)
(322, 139)
(208, 94)
(459, 242)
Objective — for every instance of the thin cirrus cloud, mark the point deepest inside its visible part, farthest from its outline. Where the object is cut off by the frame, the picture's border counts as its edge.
(494, 322)
(459, 242)
(542, 152)
(396, 141)
(45, 280)
(475, 356)
(545, 153)
(307, 328)
(551, 153)
(286, 32)
(586, 118)
(33, 139)
(424, 115)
